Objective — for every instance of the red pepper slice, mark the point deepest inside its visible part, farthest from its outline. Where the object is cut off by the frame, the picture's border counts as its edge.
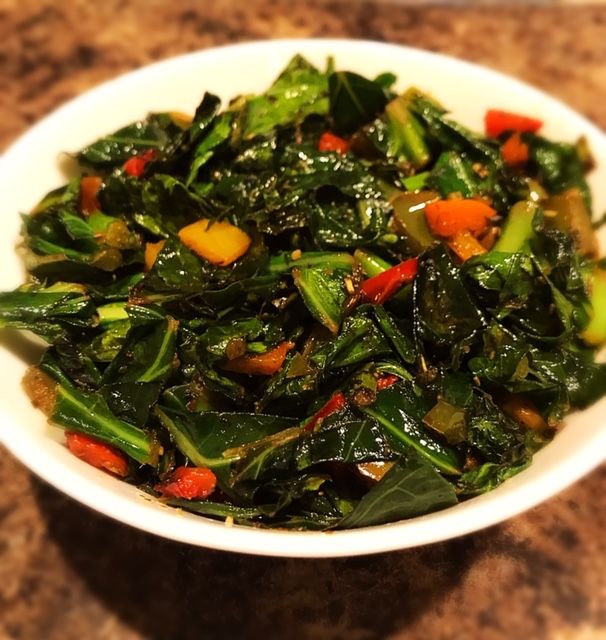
(190, 483)
(97, 453)
(335, 403)
(386, 381)
(381, 287)
(261, 364)
(331, 142)
(497, 122)
(515, 152)
(135, 166)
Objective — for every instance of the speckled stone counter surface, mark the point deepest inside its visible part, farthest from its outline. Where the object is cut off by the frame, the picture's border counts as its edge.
(67, 573)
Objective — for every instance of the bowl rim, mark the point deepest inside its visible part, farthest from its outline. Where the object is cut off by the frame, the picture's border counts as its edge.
(471, 516)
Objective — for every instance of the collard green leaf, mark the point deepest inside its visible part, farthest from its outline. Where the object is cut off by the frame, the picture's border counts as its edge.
(410, 488)
(358, 341)
(87, 412)
(218, 510)
(131, 401)
(406, 137)
(205, 149)
(147, 356)
(489, 476)
(401, 342)
(292, 451)
(354, 100)
(497, 437)
(444, 311)
(73, 361)
(399, 411)
(559, 165)
(155, 132)
(323, 293)
(47, 311)
(298, 91)
(171, 205)
(452, 173)
(347, 442)
(451, 135)
(203, 438)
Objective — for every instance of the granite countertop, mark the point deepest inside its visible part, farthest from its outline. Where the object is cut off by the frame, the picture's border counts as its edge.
(68, 573)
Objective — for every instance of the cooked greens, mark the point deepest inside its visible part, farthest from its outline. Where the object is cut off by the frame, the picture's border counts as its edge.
(327, 306)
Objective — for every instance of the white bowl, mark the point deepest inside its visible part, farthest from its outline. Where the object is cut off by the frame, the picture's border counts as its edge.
(30, 168)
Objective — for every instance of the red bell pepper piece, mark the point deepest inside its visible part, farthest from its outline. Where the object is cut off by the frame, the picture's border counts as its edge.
(497, 122)
(190, 483)
(386, 381)
(97, 453)
(381, 287)
(514, 151)
(261, 364)
(335, 403)
(135, 166)
(331, 142)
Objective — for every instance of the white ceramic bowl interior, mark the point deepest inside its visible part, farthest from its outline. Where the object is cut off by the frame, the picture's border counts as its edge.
(30, 168)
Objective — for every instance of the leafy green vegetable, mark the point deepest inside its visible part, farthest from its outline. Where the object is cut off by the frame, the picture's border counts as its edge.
(323, 294)
(48, 311)
(88, 413)
(409, 489)
(399, 410)
(274, 368)
(354, 100)
(300, 90)
(444, 310)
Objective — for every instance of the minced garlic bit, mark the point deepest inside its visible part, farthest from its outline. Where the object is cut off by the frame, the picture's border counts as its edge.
(229, 521)
(296, 254)
(349, 286)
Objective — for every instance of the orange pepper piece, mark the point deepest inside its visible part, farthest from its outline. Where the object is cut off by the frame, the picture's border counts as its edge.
(152, 249)
(465, 245)
(218, 242)
(260, 364)
(446, 218)
(89, 187)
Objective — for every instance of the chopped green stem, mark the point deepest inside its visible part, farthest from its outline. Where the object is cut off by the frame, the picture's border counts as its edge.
(517, 230)
(288, 260)
(90, 415)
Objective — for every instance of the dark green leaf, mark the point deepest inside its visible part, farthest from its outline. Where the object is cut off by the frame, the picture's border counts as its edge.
(399, 410)
(411, 488)
(354, 100)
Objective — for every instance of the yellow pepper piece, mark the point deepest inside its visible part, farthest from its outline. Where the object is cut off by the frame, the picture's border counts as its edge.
(181, 119)
(152, 249)
(218, 242)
